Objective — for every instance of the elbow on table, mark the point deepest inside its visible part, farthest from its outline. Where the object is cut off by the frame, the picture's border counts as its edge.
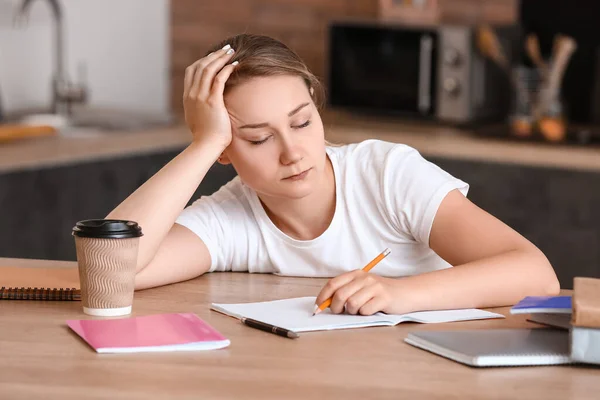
(551, 287)
(545, 279)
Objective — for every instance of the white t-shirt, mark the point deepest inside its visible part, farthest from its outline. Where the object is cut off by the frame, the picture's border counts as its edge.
(387, 195)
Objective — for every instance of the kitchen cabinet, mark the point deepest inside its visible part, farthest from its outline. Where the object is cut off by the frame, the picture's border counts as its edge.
(38, 208)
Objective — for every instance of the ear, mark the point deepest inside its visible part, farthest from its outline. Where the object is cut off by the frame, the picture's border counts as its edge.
(312, 91)
(223, 159)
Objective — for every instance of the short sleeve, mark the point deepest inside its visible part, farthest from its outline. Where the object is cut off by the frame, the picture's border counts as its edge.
(414, 188)
(206, 218)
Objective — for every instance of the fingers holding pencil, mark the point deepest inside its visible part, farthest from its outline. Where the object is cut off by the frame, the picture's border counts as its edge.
(340, 289)
(332, 288)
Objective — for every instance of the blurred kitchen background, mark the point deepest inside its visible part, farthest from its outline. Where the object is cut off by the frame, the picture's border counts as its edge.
(119, 51)
(504, 94)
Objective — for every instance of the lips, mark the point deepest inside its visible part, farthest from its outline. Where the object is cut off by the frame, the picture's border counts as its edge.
(301, 175)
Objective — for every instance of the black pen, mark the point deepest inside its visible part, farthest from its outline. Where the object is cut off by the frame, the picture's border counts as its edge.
(252, 323)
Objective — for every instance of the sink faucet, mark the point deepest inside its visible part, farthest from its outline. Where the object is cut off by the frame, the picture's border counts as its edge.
(64, 93)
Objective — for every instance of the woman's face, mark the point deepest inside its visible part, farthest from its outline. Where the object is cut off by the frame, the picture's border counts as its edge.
(278, 144)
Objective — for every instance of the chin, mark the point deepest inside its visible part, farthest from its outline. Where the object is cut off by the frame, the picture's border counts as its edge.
(295, 193)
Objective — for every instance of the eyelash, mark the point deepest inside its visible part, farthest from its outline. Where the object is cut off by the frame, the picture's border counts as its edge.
(257, 142)
(304, 125)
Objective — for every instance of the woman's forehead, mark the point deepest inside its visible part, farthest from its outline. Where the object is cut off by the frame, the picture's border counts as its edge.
(257, 99)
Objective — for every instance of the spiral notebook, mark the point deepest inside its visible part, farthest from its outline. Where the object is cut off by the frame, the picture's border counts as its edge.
(497, 347)
(26, 283)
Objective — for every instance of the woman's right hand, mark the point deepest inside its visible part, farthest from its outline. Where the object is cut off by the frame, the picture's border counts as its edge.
(205, 112)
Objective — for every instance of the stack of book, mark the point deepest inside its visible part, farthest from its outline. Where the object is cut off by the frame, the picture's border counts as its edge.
(585, 323)
(580, 314)
(548, 310)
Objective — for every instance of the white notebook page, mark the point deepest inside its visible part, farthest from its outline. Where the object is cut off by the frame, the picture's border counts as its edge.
(296, 315)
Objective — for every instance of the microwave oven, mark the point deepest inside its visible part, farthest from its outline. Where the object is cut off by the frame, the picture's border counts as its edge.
(432, 72)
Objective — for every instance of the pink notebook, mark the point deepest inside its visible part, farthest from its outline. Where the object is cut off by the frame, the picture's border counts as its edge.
(162, 332)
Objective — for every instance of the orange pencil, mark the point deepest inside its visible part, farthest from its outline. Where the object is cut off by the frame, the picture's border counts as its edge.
(366, 268)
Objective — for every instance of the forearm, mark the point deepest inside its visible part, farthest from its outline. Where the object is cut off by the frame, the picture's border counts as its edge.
(495, 281)
(156, 204)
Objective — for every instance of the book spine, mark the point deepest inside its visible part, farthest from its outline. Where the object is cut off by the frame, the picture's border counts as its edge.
(55, 294)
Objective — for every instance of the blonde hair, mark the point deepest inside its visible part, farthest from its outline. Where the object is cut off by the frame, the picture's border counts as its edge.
(260, 56)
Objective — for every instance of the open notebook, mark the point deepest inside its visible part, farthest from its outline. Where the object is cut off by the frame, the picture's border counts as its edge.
(296, 315)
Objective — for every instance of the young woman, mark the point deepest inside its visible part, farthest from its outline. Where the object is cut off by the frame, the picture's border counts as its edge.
(300, 207)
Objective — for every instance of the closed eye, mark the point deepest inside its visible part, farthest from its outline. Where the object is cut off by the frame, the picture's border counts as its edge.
(304, 125)
(257, 142)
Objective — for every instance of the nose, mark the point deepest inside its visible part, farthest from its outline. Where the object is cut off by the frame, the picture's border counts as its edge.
(290, 152)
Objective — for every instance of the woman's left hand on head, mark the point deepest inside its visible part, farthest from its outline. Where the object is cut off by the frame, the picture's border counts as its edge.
(360, 292)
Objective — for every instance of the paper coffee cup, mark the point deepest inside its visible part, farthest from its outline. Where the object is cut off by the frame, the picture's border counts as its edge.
(107, 253)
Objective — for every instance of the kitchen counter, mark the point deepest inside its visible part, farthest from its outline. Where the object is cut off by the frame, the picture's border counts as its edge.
(430, 139)
(46, 152)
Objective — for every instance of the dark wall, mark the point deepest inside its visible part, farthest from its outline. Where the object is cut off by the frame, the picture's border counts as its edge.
(555, 209)
(578, 19)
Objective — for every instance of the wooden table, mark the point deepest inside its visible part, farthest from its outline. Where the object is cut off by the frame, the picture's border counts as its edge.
(42, 358)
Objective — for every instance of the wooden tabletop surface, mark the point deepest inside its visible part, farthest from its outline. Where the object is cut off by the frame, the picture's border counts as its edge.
(42, 358)
(429, 138)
